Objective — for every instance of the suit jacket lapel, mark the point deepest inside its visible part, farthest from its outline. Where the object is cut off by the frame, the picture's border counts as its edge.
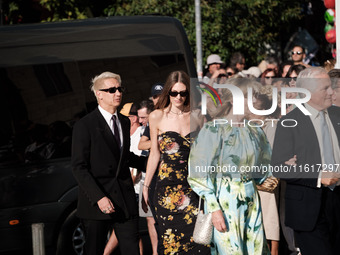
(126, 139)
(126, 132)
(334, 115)
(309, 131)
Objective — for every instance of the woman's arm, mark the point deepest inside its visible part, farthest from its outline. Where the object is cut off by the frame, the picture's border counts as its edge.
(205, 153)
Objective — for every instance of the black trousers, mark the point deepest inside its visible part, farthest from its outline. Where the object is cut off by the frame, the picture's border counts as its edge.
(96, 235)
(325, 237)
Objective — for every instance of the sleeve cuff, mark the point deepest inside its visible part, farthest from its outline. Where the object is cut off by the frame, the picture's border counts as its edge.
(318, 184)
(212, 204)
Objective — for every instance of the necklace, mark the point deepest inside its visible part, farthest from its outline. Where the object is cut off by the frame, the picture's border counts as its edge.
(177, 113)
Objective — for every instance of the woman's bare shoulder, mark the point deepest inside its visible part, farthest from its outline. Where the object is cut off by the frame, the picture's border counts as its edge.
(156, 114)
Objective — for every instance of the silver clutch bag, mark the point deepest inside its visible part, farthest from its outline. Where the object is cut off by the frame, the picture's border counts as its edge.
(203, 228)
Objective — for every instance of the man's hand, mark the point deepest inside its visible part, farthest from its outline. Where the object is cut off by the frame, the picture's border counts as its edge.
(218, 72)
(105, 205)
(292, 161)
(218, 221)
(329, 178)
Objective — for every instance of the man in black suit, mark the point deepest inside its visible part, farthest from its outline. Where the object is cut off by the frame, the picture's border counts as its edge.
(100, 163)
(312, 200)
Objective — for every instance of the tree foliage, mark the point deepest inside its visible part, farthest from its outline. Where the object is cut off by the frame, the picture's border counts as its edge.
(227, 25)
(64, 10)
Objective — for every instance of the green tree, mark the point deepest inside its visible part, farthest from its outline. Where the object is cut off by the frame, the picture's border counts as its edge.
(227, 25)
(33, 11)
(65, 10)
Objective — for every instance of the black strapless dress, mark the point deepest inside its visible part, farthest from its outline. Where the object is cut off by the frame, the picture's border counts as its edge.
(176, 204)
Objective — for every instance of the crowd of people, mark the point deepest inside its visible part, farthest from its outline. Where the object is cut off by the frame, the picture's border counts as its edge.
(147, 160)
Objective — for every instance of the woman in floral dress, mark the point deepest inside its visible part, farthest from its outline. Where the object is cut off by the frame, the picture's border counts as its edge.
(176, 205)
(228, 189)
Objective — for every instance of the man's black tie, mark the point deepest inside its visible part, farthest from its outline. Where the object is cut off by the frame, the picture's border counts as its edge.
(116, 130)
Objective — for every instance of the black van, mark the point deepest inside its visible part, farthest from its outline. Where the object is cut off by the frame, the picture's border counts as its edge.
(45, 72)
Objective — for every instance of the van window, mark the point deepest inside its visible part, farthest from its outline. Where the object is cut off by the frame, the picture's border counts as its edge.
(46, 69)
(40, 103)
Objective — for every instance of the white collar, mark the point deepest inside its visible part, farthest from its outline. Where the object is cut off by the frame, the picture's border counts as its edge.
(107, 115)
(315, 113)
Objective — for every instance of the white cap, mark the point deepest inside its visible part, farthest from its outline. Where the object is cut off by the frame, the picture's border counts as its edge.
(254, 71)
(214, 59)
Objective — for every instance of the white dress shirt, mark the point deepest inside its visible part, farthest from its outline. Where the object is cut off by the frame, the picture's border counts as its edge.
(315, 118)
(108, 118)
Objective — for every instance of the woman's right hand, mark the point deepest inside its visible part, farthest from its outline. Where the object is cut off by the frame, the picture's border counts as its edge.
(218, 221)
(145, 199)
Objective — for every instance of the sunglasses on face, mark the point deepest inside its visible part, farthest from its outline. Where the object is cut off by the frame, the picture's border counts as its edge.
(269, 77)
(296, 52)
(113, 90)
(225, 75)
(293, 78)
(176, 93)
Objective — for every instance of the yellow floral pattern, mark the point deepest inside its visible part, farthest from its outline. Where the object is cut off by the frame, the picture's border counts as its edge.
(176, 203)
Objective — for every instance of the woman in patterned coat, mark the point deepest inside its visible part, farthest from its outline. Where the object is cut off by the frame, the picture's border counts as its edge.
(226, 162)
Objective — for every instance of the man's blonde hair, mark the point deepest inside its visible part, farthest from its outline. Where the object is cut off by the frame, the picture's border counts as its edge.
(97, 80)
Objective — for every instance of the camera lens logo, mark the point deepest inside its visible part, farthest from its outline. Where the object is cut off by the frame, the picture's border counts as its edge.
(239, 99)
(210, 91)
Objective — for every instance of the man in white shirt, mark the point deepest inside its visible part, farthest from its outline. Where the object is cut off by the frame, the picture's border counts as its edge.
(130, 110)
(100, 164)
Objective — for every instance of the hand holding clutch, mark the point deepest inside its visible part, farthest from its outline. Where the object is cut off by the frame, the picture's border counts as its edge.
(269, 185)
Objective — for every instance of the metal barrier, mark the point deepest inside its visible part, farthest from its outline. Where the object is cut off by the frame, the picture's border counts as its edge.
(38, 239)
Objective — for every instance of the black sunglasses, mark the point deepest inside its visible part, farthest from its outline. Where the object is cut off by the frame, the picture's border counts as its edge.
(230, 73)
(296, 52)
(176, 93)
(269, 77)
(113, 90)
(294, 78)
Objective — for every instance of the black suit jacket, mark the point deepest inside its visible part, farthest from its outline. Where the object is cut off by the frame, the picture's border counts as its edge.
(303, 198)
(334, 114)
(101, 169)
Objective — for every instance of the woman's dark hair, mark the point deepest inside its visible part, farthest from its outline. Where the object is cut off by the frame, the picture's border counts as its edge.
(283, 64)
(295, 68)
(232, 68)
(265, 72)
(268, 70)
(236, 58)
(173, 78)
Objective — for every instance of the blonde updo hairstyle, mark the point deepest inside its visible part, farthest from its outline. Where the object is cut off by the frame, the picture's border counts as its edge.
(227, 96)
(265, 96)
